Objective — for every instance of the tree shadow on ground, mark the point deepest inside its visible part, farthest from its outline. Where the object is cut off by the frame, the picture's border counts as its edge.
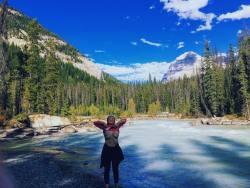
(72, 157)
(232, 156)
(170, 170)
(55, 163)
(44, 170)
(181, 171)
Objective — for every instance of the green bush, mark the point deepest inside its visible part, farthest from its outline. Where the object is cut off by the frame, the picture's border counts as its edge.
(23, 118)
(131, 108)
(112, 110)
(154, 109)
(93, 110)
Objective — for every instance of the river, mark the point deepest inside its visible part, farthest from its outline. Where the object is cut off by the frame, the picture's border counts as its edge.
(158, 154)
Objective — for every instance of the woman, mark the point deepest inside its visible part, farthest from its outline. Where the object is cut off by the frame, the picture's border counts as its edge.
(111, 152)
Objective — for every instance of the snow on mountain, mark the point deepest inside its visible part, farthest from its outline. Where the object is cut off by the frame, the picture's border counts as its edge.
(187, 64)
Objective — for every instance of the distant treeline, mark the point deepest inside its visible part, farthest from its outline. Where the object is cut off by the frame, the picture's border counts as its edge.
(34, 84)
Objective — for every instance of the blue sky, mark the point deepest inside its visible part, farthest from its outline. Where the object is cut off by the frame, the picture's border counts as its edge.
(123, 33)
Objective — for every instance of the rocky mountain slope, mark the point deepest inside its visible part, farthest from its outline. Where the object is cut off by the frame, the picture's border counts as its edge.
(186, 64)
(17, 25)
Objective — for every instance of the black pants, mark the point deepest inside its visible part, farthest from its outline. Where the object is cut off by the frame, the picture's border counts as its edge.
(115, 168)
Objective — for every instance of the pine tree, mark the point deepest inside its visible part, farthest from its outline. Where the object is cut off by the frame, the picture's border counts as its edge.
(51, 82)
(248, 63)
(3, 58)
(209, 81)
(3, 37)
(220, 92)
(246, 46)
(35, 70)
(230, 82)
(243, 84)
(65, 110)
(194, 101)
(15, 79)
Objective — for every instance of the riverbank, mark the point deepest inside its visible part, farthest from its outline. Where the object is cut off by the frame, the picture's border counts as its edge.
(25, 133)
(215, 121)
(42, 124)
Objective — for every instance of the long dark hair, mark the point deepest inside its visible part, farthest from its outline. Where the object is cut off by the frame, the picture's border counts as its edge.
(110, 116)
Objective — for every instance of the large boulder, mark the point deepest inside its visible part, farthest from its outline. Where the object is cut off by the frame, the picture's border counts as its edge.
(42, 120)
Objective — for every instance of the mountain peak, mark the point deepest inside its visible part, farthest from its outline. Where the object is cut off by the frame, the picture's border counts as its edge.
(186, 64)
(188, 54)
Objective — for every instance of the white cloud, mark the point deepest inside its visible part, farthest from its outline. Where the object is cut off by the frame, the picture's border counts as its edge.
(208, 23)
(178, 23)
(197, 42)
(181, 45)
(134, 43)
(115, 62)
(136, 71)
(145, 41)
(239, 32)
(152, 7)
(242, 13)
(99, 51)
(190, 9)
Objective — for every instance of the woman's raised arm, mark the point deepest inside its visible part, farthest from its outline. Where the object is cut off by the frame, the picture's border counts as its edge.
(100, 124)
(120, 123)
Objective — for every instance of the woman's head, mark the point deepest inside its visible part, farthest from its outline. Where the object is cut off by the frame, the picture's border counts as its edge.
(111, 120)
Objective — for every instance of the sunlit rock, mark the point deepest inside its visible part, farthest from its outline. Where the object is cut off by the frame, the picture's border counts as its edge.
(43, 120)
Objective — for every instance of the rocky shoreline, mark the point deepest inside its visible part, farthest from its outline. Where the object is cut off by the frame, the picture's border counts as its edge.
(42, 124)
(22, 133)
(225, 121)
(214, 121)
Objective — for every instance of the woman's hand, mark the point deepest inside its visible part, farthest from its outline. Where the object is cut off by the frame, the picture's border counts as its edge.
(121, 122)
